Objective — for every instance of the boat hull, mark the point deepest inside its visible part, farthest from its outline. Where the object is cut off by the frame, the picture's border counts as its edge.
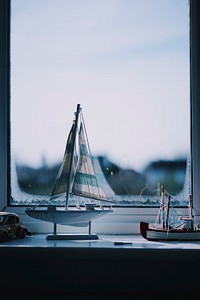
(78, 218)
(153, 234)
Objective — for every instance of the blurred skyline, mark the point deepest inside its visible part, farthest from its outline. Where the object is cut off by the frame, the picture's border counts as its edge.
(127, 64)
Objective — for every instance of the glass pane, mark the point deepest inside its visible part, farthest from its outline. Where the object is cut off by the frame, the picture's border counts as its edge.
(127, 63)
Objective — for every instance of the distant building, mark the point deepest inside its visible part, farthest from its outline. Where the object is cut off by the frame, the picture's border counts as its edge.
(169, 173)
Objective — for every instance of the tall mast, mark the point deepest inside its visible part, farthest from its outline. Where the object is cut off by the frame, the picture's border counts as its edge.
(72, 152)
(190, 207)
(168, 208)
(191, 216)
(163, 206)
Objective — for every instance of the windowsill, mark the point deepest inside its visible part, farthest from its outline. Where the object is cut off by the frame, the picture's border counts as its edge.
(104, 241)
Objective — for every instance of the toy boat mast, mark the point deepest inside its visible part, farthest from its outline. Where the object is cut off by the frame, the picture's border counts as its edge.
(191, 215)
(163, 206)
(72, 153)
(168, 208)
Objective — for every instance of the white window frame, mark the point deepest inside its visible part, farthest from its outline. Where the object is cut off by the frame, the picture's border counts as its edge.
(123, 220)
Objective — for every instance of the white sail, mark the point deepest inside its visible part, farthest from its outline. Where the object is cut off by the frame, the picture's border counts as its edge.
(61, 182)
(85, 182)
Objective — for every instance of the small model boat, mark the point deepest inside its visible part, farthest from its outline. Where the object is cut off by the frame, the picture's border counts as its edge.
(168, 226)
(76, 178)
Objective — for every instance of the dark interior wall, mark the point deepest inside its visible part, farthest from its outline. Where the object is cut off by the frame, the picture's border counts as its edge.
(98, 273)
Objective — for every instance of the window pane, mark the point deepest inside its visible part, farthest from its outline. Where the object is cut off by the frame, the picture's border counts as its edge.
(127, 63)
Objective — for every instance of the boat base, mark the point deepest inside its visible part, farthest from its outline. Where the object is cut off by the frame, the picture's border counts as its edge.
(90, 236)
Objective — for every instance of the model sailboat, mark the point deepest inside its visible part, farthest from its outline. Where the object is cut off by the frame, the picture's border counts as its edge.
(76, 178)
(168, 226)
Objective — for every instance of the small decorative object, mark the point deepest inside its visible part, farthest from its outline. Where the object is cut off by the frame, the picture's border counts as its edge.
(169, 226)
(76, 178)
(11, 226)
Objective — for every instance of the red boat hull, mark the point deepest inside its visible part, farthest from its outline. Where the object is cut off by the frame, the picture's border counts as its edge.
(154, 234)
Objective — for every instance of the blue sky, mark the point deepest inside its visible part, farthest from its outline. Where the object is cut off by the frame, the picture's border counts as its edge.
(125, 61)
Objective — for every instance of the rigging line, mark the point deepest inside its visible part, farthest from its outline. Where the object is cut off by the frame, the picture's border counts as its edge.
(196, 211)
(87, 178)
(87, 171)
(84, 162)
(167, 193)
